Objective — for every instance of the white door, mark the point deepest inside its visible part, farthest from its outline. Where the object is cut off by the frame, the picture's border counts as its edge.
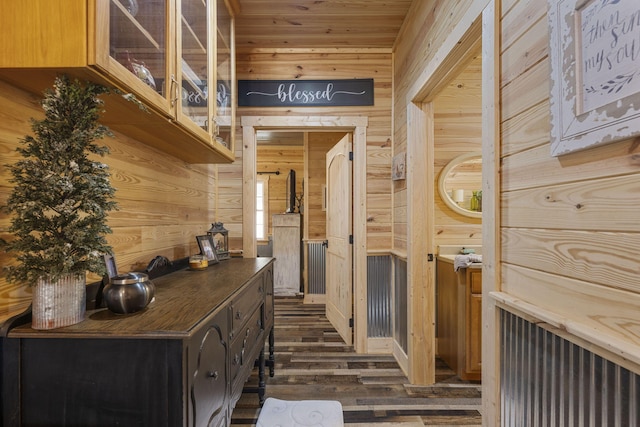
(339, 273)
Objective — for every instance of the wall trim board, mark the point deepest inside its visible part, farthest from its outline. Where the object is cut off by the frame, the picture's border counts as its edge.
(618, 351)
(491, 207)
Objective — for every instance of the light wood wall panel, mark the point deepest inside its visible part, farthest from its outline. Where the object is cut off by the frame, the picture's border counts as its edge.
(427, 26)
(280, 158)
(229, 198)
(457, 131)
(568, 229)
(306, 64)
(163, 202)
(569, 224)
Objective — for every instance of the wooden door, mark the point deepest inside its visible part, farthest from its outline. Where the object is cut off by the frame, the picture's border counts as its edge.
(339, 260)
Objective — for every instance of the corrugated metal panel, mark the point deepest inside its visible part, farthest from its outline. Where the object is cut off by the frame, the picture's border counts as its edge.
(379, 296)
(549, 381)
(316, 260)
(401, 300)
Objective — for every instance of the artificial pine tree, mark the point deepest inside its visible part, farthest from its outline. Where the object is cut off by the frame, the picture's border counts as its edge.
(62, 194)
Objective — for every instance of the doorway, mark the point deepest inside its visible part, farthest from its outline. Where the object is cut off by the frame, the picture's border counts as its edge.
(357, 127)
(458, 50)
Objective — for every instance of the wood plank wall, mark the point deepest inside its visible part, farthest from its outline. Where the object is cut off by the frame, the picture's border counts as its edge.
(427, 26)
(318, 64)
(457, 130)
(163, 202)
(308, 160)
(569, 229)
(280, 158)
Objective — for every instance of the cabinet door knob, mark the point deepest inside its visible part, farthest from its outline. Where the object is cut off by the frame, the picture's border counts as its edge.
(213, 375)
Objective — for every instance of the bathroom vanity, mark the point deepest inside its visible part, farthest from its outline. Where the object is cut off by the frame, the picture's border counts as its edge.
(459, 317)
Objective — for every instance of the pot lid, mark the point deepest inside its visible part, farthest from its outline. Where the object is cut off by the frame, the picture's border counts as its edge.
(129, 278)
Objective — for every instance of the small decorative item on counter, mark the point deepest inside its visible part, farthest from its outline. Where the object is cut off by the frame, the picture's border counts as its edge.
(198, 262)
(458, 196)
(129, 292)
(139, 69)
(474, 202)
(59, 203)
(220, 237)
(131, 6)
(221, 141)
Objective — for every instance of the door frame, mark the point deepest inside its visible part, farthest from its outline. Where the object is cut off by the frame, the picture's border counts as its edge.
(478, 23)
(358, 127)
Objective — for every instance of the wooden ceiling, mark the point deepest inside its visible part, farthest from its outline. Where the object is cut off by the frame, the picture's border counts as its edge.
(319, 24)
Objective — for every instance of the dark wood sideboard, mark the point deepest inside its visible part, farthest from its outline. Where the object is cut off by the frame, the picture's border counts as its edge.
(182, 361)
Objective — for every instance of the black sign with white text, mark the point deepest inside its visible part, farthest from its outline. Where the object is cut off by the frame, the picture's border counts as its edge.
(305, 93)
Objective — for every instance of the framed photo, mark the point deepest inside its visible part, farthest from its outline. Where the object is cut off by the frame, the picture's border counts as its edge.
(110, 263)
(207, 248)
(595, 73)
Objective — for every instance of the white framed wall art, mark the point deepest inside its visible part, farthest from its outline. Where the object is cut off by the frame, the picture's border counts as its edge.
(595, 72)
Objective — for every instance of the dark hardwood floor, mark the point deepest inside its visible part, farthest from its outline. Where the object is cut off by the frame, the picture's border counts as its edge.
(312, 362)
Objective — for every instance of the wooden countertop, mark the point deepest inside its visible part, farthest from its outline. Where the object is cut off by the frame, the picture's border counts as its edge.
(450, 259)
(182, 299)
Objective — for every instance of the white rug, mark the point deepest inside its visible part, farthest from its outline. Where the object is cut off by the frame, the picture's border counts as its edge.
(300, 413)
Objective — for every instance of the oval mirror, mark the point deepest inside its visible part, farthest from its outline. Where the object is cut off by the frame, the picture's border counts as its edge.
(460, 184)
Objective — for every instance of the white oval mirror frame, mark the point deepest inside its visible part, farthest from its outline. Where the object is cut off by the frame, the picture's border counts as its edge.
(445, 193)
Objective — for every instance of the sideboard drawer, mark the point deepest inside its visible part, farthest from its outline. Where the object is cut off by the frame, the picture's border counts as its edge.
(245, 304)
(245, 349)
(268, 302)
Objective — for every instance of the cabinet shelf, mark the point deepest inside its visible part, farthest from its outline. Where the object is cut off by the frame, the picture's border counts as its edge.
(135, 28)
(110, 46)
(191, 40)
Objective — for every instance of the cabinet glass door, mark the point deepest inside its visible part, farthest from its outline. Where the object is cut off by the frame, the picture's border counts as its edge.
(195, 64)
(137, 40)
(225, 97)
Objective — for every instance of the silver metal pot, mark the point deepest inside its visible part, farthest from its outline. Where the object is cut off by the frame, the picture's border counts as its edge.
(129, 292)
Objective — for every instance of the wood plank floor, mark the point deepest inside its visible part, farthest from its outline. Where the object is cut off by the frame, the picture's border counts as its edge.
(312, 362)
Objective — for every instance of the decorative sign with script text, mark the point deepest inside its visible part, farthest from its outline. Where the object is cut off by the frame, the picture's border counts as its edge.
(305, 93)
(197, 95)
(595, 72)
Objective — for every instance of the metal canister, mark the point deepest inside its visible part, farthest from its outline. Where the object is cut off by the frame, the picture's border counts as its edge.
(129, 292)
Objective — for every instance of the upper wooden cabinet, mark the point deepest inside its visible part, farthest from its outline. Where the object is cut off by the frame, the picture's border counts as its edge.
(176, 56)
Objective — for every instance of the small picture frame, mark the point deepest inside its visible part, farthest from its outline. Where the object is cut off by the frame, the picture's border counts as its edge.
(110, 263)
(207, 248)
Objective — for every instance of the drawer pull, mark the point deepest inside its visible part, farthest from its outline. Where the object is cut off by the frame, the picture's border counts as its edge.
(236, 359)
(238, 314)
(213, 375)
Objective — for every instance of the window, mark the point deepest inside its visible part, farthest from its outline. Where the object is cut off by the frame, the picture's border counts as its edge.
(262, 207)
